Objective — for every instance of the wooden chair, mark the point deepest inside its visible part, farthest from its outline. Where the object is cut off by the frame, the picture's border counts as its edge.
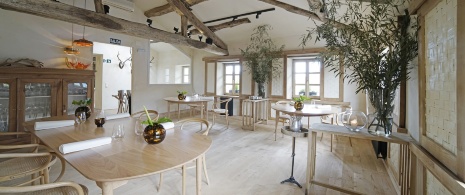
(217, 110)
(203, 132)
(143, 116)
(281, 117)
(59, 188)
(21, 160)
(333, 120)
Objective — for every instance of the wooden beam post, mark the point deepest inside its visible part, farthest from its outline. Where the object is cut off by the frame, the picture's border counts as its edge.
(197, 23)
(80, 16)
(99, 6)
(183, 26)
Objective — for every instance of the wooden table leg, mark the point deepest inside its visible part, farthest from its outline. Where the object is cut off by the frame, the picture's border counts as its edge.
(276, 124)
(310, 160)
(108, 187)
(169, 113)
(179, 112)
(198, 175)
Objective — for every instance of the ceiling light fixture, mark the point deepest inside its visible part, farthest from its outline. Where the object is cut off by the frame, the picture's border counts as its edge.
(235, 17)
(70, 50)
(84, 42)
(258, 15)
(200, 37)
(176, 30)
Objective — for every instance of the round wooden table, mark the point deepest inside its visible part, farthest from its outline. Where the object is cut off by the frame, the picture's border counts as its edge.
(189, 100)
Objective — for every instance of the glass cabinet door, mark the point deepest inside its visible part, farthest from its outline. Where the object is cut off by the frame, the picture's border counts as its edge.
(39, 99)
(74, 90)
(7, 105)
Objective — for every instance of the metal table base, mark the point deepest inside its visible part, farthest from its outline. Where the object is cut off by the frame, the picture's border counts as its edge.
(302, 133)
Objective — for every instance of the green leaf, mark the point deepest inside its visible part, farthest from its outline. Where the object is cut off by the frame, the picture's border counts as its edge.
(164, 120)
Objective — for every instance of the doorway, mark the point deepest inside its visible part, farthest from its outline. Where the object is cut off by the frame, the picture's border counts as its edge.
(113, 65)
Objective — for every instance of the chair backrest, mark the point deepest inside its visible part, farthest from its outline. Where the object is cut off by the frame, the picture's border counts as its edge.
(17, 165)
(64, 188)
(218, 102)
(141, 115)
(192, 127)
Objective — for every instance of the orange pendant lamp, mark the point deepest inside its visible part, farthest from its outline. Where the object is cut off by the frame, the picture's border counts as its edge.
(70, 50)
(83, 42)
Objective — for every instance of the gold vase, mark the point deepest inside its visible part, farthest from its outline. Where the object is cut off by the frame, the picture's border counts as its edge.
(299, 105)
(181, 97)
(154, 134)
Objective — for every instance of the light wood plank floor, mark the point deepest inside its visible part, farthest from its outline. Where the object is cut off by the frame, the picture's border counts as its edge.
(251, 162)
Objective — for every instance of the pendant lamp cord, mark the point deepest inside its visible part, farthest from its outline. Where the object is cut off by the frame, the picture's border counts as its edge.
(84, 31)
(72, 31)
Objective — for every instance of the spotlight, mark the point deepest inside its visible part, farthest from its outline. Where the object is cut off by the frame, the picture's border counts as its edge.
(209, 41)
(189, 34)
(200, 37)
(106, 9)
(176, 30)
(258, 15)
(149, 21)
(234, 18)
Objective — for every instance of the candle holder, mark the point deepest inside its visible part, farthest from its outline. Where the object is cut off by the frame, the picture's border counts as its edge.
(353, 120)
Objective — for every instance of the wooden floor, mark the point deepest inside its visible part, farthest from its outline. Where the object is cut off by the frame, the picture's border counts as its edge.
(250, 162)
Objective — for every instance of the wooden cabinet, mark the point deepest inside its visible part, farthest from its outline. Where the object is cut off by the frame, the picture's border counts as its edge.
(31, 93)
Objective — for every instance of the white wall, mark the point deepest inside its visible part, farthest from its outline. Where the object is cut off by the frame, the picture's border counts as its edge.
(113, 78)
(171, 60)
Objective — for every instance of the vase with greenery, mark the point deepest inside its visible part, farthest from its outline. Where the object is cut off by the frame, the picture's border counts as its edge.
(299, 102)
(375, 42)
(154, 132)
(261, 57)
(82, 106)
(182, 95)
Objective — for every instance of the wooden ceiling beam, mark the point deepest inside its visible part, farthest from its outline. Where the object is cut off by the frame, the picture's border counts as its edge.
(218, 27)
(99, 6)
(167, 8)
(180, 7)
(80, 16)
(303, 12)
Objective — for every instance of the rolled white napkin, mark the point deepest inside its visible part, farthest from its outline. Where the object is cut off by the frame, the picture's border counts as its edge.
(52, 124)
(207, 98)
(167, 125)
(116, 116)
(83, 145)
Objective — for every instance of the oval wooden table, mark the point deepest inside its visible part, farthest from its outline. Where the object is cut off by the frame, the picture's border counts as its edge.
(112, 165)
(189, 100)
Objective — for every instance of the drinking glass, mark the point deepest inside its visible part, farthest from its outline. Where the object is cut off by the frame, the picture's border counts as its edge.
(80, 117)
(139, 127)
(118, 131)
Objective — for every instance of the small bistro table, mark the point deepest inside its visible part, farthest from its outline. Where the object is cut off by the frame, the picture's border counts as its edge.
(296, 116)
(189, 100)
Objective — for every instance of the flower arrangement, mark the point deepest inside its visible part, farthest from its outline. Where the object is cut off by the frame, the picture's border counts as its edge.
(154, 133)
(301, 98)
(182, 92)
(182, 95)
(149, 121)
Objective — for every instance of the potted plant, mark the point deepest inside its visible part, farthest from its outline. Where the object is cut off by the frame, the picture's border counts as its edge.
(299, 102)
(375, 49)
(182, 95)
(262, 57)
(82, 106)
(154, 132)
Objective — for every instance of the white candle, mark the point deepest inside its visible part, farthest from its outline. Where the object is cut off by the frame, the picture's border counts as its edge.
(353, 123)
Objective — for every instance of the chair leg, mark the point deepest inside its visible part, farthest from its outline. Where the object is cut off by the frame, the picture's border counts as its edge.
(227, 120)
(321, 136)
(159, 183)
(350, 142)
(331, 143)
(205, 169)
(184, 180)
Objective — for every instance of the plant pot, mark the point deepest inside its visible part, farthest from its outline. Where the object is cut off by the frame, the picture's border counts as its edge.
(154, 134)
(85, 109)
(181, 97)
(299, 105)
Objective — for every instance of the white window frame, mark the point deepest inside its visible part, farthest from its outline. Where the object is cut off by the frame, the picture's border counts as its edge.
(307, 73)
(234, 82)
(186, 73)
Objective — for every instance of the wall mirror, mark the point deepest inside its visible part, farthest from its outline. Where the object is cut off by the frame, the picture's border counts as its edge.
(169, 64)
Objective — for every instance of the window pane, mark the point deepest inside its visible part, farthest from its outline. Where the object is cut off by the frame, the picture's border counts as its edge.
(186, 70)
(314, 66)
(229, 69)
(229, 79)
(314, 91)
(299, 78)
(237, 69)
(314, 79)
(300, 67)
(229, 88)
(236, 79)
(299, 90)
(236, 87)
(186, 79)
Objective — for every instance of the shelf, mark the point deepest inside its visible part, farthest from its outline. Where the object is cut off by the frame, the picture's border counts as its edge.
(38, 97)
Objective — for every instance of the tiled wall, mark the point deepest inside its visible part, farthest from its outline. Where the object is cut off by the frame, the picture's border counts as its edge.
(441, 116)
(434, 186)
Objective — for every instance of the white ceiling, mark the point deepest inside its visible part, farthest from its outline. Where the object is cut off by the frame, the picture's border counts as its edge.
(284, 23)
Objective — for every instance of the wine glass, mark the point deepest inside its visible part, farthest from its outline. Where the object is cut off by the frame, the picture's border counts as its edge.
(80, 117)
(118, 131)
(139, 127)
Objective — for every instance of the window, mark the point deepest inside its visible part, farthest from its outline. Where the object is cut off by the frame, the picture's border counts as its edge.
(232, 78)
(185, 74)
(306, 79)
(167, 75)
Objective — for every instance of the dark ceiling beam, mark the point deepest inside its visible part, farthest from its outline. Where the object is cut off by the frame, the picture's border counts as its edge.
(167, 8)
(64, 12)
